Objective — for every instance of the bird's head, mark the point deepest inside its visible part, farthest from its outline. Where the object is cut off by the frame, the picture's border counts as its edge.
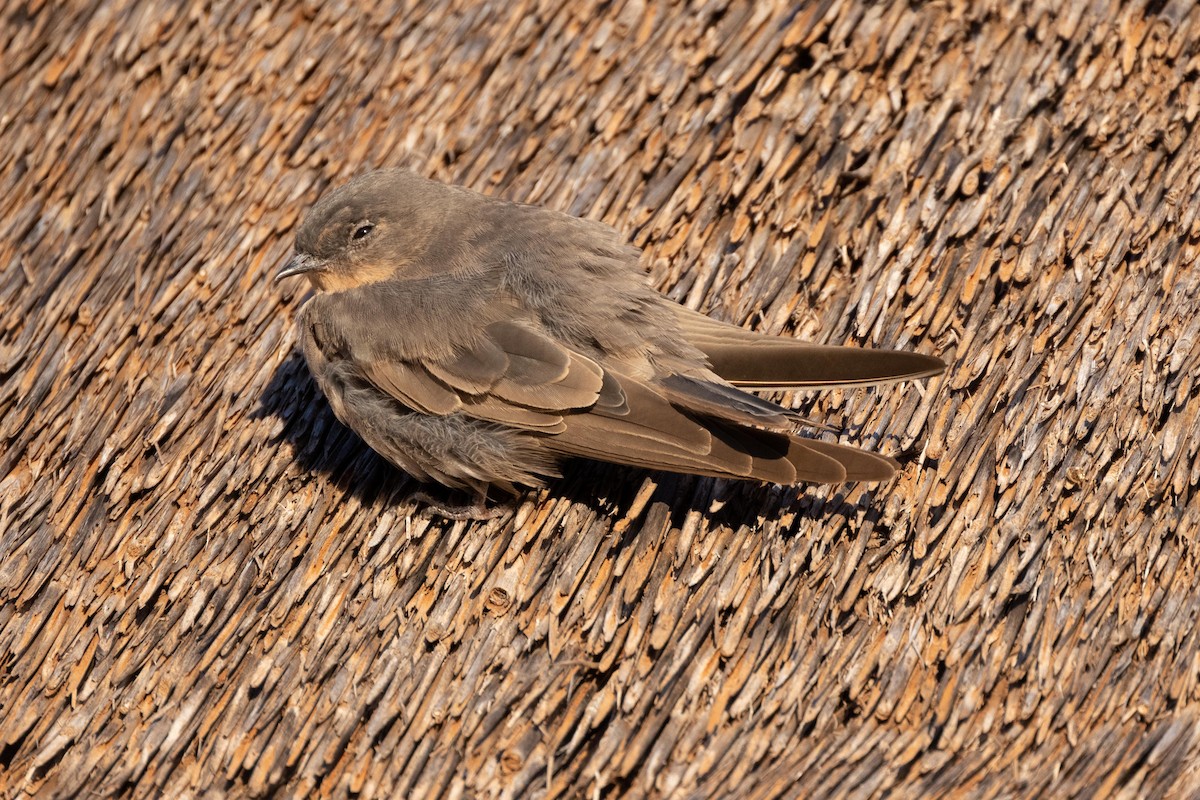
(365, 231)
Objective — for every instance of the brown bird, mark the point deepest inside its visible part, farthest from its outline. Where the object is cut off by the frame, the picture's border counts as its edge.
(478, 342)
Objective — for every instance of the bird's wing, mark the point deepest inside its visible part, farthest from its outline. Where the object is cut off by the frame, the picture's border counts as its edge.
(758, 361)
(634, 423)
(511, 374)
(517, 376)
(588, 411)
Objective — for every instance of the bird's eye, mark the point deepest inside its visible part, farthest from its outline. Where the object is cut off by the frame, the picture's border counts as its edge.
(362, 231)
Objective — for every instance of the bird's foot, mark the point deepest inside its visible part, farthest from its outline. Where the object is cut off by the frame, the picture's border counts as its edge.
(477, 509)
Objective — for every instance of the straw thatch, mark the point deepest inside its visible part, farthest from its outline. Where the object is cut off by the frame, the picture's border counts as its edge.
(210, 588)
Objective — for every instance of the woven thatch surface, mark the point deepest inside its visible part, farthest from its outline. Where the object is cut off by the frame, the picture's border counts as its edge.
(208, 587)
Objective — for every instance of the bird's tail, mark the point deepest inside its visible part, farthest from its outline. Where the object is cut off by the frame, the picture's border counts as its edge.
(757, 361)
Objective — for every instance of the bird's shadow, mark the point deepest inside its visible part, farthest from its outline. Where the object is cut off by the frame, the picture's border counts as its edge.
(325, 447)
(322, 445)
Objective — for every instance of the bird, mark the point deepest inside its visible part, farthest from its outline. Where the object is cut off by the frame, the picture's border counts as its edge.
(478, 342)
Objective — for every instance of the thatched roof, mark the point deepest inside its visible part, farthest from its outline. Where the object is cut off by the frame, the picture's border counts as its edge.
(210, 588)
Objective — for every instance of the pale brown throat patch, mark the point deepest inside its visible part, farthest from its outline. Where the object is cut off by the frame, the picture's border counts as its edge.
(360, 275)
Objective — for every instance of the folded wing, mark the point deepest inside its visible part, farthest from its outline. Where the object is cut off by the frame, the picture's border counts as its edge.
(517, 376)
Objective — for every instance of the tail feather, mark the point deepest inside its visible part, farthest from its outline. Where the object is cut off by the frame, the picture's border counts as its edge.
(757, 361)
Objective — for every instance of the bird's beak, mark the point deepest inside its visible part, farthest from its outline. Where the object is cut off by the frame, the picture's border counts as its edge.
(299, 264)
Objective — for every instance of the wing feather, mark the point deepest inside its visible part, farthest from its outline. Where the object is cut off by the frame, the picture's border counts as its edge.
(519, 377)
(513, 376)
(413, 386)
